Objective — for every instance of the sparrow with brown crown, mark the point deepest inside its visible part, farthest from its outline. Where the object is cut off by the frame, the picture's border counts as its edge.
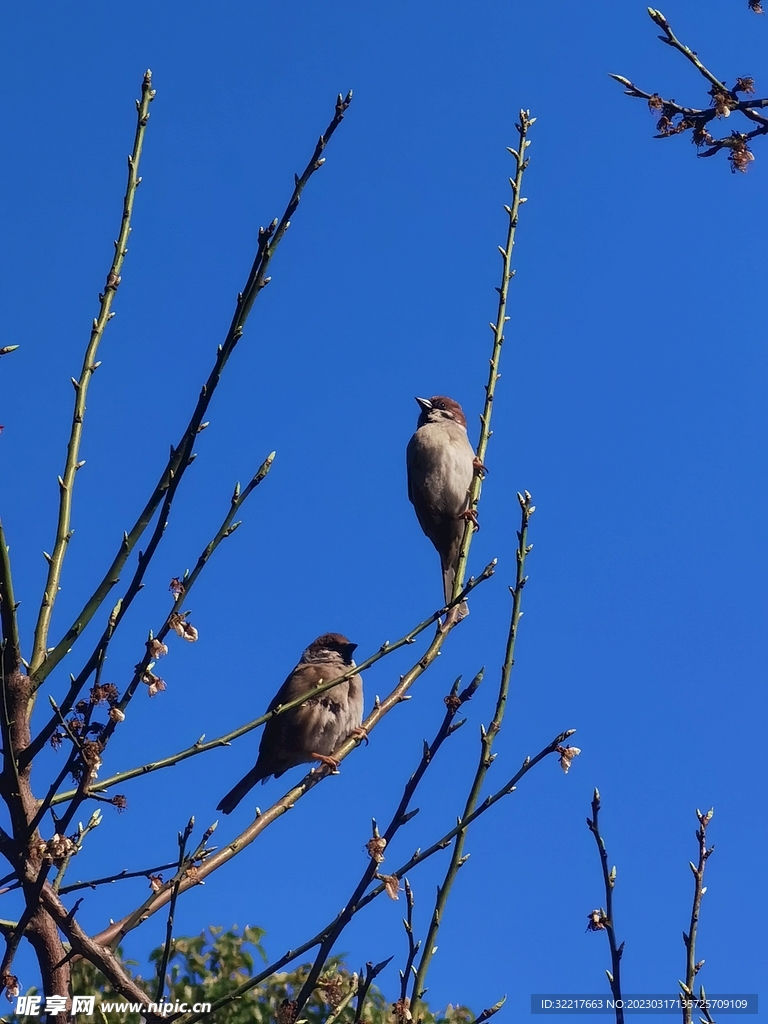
(441, 463)
(313, 730)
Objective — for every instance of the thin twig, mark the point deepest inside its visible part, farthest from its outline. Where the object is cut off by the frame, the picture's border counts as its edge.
(600, 920)
(418, 858)
(163, 967)
(11, 653)
(671, 39)
(482, 1017)
(223, 741)
(72, 465)
(372, 971)
(226, 529)
(487, 737)
(692, 967)
(725, 101)
(82, 832)
(269, 239)
(413, 947)
(507, 273)
(93, 883)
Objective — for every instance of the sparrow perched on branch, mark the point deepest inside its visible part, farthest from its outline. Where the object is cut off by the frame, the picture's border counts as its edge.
(441, 463)
(314, 729)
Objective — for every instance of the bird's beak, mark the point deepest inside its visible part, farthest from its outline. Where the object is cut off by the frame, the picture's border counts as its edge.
(351, 648)
(425, 404)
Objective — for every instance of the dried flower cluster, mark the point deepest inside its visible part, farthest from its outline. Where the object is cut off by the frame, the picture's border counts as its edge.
(375, 848)
(182, 628)
(401, 1011)
(567, 755)
(11, 986)
(596, 921)
(55, 849)
(391, 885)
(332, 987)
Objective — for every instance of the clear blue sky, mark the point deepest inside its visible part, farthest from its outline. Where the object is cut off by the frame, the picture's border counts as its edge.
(632, 405)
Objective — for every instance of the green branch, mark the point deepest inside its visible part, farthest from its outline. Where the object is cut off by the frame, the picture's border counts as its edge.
(498, 338)
(67, 480)
(487, 737)
(269, 239)
(671, 39)
(226, 529)
(11, 644)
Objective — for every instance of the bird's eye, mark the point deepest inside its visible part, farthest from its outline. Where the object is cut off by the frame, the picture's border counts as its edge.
(439, 405)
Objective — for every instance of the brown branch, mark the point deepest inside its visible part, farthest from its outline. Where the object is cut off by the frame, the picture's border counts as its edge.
(371, 973)
(201, 747)
(115, 932)
(376, 846)
(163, 965)
(418, 858)
(692, 967)
(100, 956)
(603, 920)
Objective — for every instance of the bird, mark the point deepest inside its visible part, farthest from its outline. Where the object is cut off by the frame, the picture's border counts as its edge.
(441, 463)
(313, 730)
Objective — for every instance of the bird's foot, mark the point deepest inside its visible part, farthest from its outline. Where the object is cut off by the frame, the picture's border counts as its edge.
(360, 734)
(471, 517)
(479, 467)
(329, 762)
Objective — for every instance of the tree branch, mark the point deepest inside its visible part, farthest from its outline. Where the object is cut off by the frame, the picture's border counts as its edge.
(418, 858)
(201, 747)
(498, 339)
(692, 968)
(725, 101)
(600, 920)
(67, 480)
(376, 846)
(11, 653)
(226, 529)
(163, 965)
(116, 932)
(487, 738)
(269, 239)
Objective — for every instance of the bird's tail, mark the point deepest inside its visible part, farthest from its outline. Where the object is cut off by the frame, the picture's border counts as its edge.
(243, 787)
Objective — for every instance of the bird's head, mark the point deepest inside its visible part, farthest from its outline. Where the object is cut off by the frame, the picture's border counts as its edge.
(439, 410)
(330, 647)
